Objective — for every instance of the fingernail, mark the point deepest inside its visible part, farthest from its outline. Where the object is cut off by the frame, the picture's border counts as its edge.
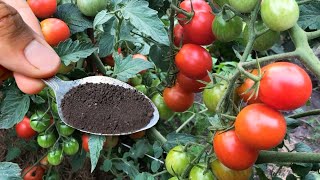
(41, 56)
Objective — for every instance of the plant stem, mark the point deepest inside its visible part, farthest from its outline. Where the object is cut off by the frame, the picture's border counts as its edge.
(228, 7)
(160, 173)
(229, 117)
(178, 10)
(291, 157)
(305, 114)
(158, 135)
(306, 55)
(98, 63)
(248, 74)
(186, 122)
(313, 34)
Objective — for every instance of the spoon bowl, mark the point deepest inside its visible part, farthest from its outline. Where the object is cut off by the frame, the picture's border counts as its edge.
(61, 88)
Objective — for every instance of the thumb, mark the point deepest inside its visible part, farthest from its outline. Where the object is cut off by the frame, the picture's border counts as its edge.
(21, 49)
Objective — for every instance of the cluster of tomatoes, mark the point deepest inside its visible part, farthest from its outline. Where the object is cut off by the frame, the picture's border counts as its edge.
(260, 125)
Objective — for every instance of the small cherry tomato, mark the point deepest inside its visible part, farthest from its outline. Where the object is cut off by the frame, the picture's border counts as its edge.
(36, 173)
(177, 161)
(55, 156)
(40, 121)
(243, 6)
(43, 8)
(197, 6)
(54, 31)
(177, 99)
(46, 140)
(227, 31)
(64, 129)
(191, 85)
(24, 130)
(91, 7)
(232, 152)
(200, 172)
(179, 36)
(212, 96)
(44, 163)
(70, 146)
(222, 172)
(85, 142)
(164, 111)
(243, 92)
(140, 56)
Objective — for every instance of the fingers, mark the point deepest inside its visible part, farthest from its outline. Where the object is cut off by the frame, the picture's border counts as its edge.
(21, 49)
(28, 85)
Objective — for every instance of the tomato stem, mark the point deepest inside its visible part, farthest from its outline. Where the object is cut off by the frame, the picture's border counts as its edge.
(189, 15)
(313, 35)
(186, 122)
(248, 74)
(226, 7)
(155, 133)
(99, 63)
(291, 157)
(305, 114)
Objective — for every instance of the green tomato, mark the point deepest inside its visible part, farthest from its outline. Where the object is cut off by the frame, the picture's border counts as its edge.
(70, 146)
(177, 160)
(279, 15)
(243, 6)
(155, 82)
(211, 97)
(39, 121)
(263, 42)
(227, 31)
(222, 172)
(91, 7)
(64, 129)
(200, 171)
(164, 111)
(54, 108)
(142, 88)
(136, 80)
(46, 140)
(55, 157)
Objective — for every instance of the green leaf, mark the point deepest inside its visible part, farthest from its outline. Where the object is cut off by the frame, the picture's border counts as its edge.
(144, 176)
(293, 123)
(77, 161)
(71, 15)
(101, 18)
(139, 149)
(126, 166)
(10, 171)
(72, 51)
(301, 169)
(95, 146)
(13, 152)
(125, 32)
(107, 165)
(106, 44)
(260, 169)
(77, 73)
(301, 147)
(145, 20)
(13, 108)
(310, 16)
(159, 54)
(174, 139)
(37, 99)
(155, 165)
(128, 68)
(157, 149)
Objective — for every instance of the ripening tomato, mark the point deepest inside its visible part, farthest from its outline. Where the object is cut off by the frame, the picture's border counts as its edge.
(284, 86)
(232, 152)
(54, 31)
(244, 94)
(192, 85)
(243, 6)
(212, 96)
(279, 15)
(199, 29)
(227, 31)
(222, 172)
(43, 8)
(193, 61)
(197, 6)
(91, 7)
(177, 99)
(260, 127)
(179, 36)
(85, 142)
(140, 56)
(200, 172)
(109, 59)
(24, 130)
(177, 160)
(36, 173)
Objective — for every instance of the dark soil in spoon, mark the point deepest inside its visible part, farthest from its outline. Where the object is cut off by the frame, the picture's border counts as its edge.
(106, 109)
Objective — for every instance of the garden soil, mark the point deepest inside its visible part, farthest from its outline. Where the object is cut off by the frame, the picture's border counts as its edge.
(106, 109)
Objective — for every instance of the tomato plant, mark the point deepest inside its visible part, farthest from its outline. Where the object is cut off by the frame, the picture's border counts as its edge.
(193, 61)
(46, 140)
(43, 8)
(177, 160)
(211, 97)
(227, 31)
(244, 91)
(54, 31)
(232, 152)
(39, 121)
(279, 15)
(91, 7)
(222, 172)
(24, 130)
(36, 173)
(200, 171)
(70, 146)
(277, 79)
(177, 99)
(243, 6)
(164, 111)
(55, 156)
(192, 85)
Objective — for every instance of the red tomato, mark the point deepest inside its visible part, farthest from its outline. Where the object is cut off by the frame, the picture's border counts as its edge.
(109, 59)
(260, 126)
(284, 86)
(232, 152)
(85, 142)
(54, 31)
(43, 8)
(197, 5)
(199, 29)
(140, 56)
(24, 130)
(193, 61)
(179, 36)
(177, 99)
(36, 173)
(242, 90)
(191, 85)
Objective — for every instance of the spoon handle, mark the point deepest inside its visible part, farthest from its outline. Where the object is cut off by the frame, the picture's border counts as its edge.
(53, 82)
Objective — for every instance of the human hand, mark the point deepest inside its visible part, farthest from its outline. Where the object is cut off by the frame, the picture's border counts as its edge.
(23, 49)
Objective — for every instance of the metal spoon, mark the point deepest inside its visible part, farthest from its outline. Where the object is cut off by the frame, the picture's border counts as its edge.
(61, 87)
